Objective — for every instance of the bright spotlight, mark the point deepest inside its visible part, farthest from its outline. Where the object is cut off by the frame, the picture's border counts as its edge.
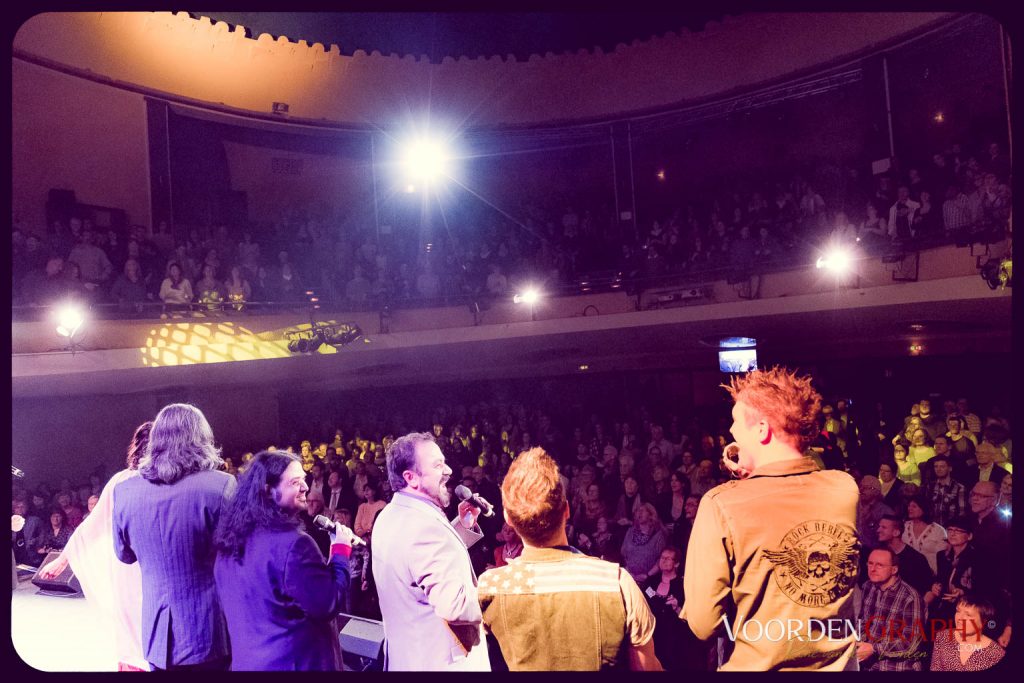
(837, 259)
(69, 320)
(529, 297)
(425, 160)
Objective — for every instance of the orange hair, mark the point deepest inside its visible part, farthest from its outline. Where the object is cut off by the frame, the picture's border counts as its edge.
(788, 402)
(533, 497)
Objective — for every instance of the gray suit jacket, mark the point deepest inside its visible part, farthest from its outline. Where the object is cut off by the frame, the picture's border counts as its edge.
(427, 589)
(168, 529)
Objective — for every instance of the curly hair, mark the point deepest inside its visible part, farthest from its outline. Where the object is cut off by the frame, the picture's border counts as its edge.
(140, 439)
(253, 505)
(787, 401)
(180, 443)
(533, 497)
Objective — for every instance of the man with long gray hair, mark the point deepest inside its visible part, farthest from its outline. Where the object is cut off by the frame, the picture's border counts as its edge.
(165, 519)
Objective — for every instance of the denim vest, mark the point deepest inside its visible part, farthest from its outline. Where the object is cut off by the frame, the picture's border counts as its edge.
(554, 609)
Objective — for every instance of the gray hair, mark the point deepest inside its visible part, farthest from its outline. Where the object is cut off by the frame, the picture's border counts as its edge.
(401, 456)
(180, 443)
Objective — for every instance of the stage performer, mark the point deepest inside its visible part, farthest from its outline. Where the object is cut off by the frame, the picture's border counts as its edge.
(164, 519)
(113, 587)
(279, 595)
(425, 580)
(554, 608)
(779, 544)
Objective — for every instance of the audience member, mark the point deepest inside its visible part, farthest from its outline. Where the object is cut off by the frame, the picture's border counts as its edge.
(969, 645)
(870, 510)
(891, 611)
(914, 568)
(922, 534)
(643, 543)
(946, 496)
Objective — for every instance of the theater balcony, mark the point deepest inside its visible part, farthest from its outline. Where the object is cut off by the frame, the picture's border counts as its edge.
(933, 300)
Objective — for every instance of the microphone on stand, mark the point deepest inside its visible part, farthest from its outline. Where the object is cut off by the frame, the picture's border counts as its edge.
(463, 492)
(329, 525)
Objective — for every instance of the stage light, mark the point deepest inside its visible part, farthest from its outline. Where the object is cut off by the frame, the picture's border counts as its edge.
(308, 345)
(584, 367)
(837, 260)
(410, 189)
(997, 273)
(69, 320)
(1006, 513)
(660, 175)
(916, 349)
(425, 160)
(530, 297)
(939, 118)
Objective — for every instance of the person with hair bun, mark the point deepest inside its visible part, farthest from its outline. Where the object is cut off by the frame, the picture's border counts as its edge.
(779, 543)
(112, 587)
(164, 519)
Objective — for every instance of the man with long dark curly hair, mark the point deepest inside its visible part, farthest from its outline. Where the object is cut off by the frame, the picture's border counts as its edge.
(278, 594)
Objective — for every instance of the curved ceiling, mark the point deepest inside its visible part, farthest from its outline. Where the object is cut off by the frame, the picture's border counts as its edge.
(471, 34)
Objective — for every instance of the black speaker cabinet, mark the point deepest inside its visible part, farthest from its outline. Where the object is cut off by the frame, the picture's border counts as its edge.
(63, 585)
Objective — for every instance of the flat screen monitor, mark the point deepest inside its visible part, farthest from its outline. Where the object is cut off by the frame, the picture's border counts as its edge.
(737, 360)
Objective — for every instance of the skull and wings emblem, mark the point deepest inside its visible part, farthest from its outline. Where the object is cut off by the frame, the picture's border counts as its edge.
(820, 565)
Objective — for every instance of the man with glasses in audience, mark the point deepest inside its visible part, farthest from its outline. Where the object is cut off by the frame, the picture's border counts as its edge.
(992, 530)
(893, 614)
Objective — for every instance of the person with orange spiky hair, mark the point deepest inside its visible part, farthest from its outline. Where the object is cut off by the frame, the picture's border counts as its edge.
(777, 546)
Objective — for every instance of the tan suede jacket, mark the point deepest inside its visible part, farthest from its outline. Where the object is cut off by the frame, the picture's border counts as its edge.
(777, 550)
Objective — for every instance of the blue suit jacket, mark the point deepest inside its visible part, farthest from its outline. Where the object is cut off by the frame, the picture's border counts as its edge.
(280, 602)
(168, 529)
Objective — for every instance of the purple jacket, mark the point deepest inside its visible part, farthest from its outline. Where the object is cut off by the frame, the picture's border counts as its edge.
(280, 602)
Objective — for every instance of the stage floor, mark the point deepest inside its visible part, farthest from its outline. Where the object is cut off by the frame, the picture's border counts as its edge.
(59, 634)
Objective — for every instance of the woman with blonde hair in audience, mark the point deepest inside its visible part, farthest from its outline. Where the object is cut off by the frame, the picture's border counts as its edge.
(643, 543)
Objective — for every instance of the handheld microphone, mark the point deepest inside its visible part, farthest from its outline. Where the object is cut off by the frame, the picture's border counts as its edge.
(463, 492)
(328, 525)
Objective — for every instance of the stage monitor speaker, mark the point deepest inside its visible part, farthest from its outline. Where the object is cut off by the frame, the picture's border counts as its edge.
(362, 643)
(64, 585)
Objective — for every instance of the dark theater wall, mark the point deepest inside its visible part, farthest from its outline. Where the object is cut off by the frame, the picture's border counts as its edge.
(59, 437)
(73, 134)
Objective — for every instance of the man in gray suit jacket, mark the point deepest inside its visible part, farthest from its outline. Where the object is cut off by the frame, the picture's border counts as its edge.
(165, 520)
(425, 580)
